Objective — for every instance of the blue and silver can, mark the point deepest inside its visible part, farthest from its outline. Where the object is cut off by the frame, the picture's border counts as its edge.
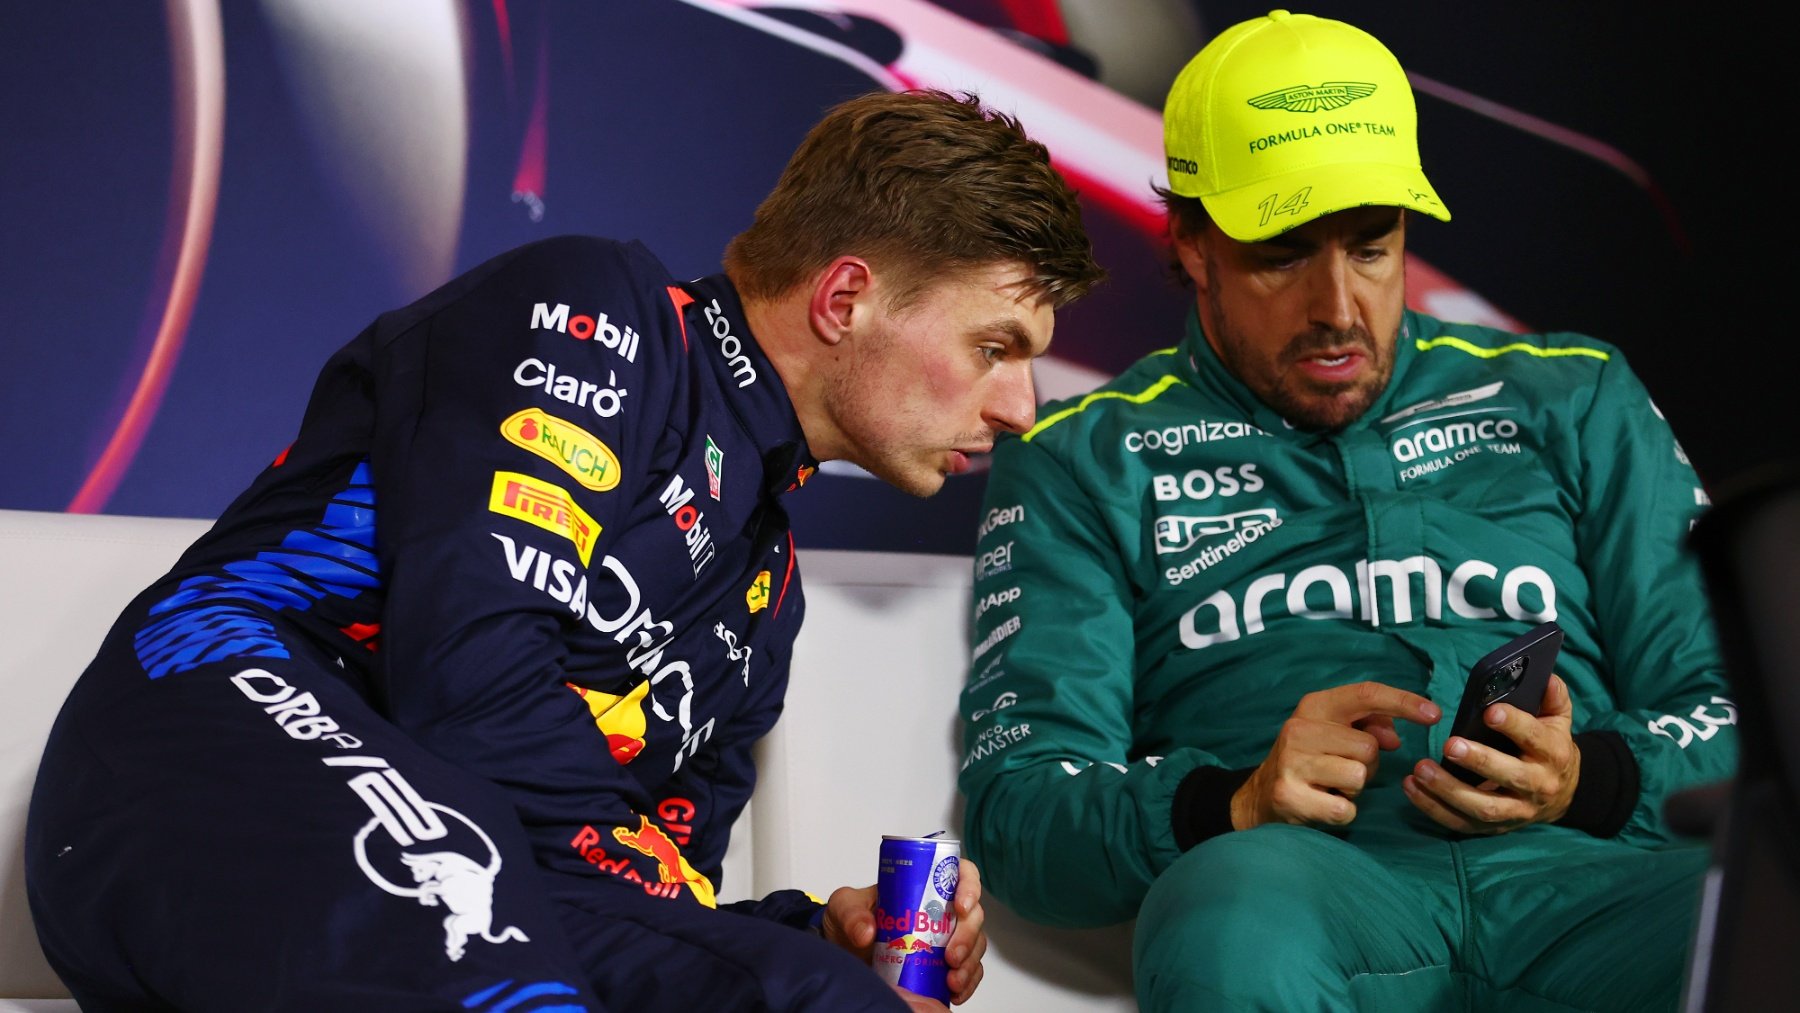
(915, 883)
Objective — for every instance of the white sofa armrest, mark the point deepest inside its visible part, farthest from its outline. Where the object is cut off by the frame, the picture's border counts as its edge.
(63, 580)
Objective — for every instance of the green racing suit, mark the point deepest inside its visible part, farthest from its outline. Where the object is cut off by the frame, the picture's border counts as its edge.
(1165, 567)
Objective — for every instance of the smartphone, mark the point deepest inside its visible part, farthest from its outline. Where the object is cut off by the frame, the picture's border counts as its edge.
(1516, 673)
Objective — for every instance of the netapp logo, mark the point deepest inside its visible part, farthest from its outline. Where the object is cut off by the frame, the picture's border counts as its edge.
(996, 599)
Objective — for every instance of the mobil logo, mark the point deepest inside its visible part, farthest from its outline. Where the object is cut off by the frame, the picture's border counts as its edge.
(583, 327)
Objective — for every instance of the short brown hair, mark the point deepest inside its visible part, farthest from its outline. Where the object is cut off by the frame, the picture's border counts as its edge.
(923, 183)
(1187, 218)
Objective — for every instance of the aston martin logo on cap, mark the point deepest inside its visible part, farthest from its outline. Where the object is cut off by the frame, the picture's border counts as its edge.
(1311, 98)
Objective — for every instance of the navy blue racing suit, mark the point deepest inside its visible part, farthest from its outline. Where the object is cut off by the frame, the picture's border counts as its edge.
(453, 707)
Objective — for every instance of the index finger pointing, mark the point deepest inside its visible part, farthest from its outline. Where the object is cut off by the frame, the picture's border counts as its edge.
(1358, 700)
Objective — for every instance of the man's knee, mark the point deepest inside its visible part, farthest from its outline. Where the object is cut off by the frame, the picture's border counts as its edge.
(1267, 888)
(1218, 923)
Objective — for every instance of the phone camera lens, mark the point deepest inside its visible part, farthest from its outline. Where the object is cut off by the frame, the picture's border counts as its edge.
(1502, 681)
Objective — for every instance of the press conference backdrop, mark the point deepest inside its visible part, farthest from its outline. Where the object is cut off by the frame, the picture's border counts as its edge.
(202, 199)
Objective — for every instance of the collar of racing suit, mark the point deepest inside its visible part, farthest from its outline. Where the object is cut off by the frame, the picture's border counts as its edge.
(753, 389)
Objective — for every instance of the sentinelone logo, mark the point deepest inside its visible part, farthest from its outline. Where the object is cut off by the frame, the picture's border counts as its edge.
(1179, 533)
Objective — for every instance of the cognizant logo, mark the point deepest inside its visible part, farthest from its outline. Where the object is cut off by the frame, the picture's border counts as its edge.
(1379, 590)
(1175, 439)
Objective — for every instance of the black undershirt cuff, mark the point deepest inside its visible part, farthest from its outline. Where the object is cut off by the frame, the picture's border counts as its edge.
(1202, 806)
(1609, 786)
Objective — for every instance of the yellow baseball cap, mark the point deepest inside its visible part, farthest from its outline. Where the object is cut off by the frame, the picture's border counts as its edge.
(1285, 118)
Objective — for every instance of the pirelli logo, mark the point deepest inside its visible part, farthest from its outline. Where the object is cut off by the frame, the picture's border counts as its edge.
(547, 506)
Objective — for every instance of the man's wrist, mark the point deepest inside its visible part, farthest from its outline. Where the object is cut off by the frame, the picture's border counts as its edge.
(1608, 789)
(1202, 807)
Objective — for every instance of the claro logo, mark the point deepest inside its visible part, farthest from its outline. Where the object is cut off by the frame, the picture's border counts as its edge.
(1379, 590)
(605, 401)
(729, 345)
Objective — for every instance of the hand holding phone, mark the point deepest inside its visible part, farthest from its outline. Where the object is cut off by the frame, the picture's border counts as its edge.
(1516, 673)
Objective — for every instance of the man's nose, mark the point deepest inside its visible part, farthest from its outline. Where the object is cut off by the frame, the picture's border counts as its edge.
(1332, 305)
(1012, 405)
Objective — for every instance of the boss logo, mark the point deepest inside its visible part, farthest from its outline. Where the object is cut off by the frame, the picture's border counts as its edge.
(1202, 484)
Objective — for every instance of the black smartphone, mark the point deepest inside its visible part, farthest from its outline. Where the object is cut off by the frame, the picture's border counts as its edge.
(1515, 673)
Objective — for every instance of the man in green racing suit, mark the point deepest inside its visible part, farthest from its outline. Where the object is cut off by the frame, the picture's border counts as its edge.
(1223, 602)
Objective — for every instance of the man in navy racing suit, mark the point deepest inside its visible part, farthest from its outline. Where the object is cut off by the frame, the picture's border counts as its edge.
(453, 707)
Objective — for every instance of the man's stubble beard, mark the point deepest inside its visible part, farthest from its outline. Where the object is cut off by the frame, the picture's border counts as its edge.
(1313, 409)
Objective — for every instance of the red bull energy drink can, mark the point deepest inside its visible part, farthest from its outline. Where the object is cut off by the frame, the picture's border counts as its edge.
(915, 883)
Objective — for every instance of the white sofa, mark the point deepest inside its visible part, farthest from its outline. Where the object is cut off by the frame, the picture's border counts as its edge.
(875, 676)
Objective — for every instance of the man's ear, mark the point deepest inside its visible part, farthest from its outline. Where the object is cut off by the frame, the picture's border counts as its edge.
(838, 297)
(1191, 251)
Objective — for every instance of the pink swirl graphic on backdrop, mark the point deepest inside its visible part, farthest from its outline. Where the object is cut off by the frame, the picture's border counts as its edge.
(197, 57)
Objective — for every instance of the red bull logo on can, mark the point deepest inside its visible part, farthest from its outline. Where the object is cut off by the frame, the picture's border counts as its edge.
(915, 884)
